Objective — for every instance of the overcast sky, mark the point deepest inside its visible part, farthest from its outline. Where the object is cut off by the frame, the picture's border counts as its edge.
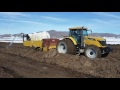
(29, 22)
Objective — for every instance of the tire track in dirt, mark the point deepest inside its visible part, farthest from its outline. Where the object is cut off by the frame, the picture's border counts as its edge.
(14, 66)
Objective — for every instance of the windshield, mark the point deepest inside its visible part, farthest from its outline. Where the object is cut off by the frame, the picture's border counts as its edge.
(78, 32)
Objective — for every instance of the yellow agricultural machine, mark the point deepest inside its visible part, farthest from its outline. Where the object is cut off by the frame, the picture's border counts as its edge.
(79, 41)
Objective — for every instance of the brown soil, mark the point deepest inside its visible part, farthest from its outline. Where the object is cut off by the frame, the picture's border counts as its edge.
(18, 61)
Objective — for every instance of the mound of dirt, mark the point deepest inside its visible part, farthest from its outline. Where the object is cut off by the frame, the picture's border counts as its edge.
(51, 53)
(101, 67)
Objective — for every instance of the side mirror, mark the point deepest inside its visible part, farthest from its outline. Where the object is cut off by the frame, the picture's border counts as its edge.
(91, 31)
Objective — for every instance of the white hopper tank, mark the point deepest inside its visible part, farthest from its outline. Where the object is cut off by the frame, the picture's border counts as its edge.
(39, 36)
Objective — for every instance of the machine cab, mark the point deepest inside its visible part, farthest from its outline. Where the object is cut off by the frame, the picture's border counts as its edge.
(78, 33)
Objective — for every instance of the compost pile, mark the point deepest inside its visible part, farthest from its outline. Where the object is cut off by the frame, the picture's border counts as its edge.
(28, 62)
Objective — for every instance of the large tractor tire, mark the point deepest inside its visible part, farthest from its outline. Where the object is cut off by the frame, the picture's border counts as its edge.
(92, 52)
(66, 47)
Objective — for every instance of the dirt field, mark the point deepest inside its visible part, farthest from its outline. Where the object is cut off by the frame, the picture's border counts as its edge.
(24, 62)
